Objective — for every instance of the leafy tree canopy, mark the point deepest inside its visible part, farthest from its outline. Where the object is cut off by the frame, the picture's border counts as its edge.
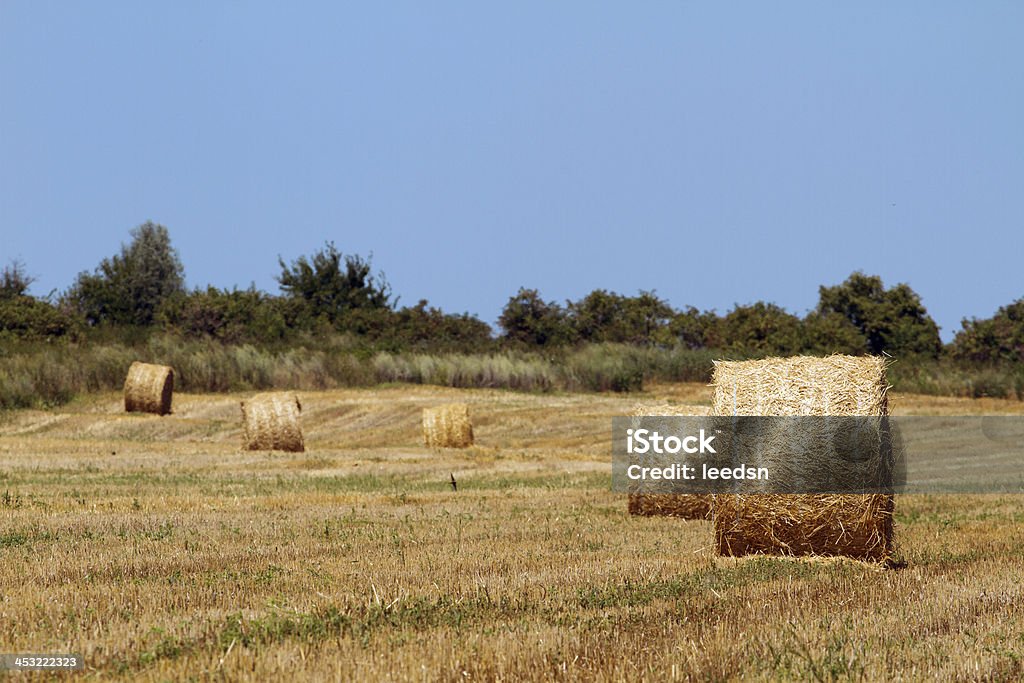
(604, 316)
(999, 338)
(331, 284)
(891, 320)
(129, 287)
(528, 319)
(763, 329)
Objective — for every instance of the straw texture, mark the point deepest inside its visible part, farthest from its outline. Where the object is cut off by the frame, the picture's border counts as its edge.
(148, 388)
(683, 505)
(271, 423)
(858, 526)
(447, 426)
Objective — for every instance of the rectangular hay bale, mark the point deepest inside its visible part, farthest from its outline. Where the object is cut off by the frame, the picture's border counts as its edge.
(851, 525)
(682, 505)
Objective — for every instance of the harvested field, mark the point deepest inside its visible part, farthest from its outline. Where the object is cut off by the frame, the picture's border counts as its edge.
(158, 549)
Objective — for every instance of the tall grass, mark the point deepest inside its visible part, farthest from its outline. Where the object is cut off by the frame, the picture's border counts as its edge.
(527, 373)
(54, 374)
(944, 378)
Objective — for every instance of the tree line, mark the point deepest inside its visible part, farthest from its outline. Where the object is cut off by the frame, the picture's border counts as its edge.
(141, 288)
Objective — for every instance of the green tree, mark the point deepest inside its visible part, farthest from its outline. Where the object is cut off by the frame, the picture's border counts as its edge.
(891, 320)
(762, 329)
(330, 285)
(647, 317)
(529, 320)
(831, 332)
(599, 317)
(992, 340)
(128, 288)
(14, 281)
(604, 316)
(233, 316)
(422, 328)
(24, 316)
(693, 329)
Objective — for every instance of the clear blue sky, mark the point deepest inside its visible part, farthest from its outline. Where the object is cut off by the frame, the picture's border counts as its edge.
(715, 155)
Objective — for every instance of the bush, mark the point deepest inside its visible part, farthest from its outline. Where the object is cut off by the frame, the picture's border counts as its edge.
(999, 339)
(890, 320)
(829, 332)
(762, 329)
(420, 328)
(329, 285)
(25, 317)
(529, 321)
(234, 317)
(31, 375)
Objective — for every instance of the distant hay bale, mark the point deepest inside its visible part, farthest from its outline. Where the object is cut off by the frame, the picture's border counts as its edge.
(148, 388)
(683, 505)
(851, 525)
(271, 423)
(447, 426)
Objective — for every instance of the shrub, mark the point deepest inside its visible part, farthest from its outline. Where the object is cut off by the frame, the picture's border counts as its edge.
(25, 317)
(227, 316)
(530, 321)
(762, 329)
(891, 320)
(993, 340)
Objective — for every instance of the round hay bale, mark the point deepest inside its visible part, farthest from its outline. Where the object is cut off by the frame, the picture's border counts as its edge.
(851, 525)
(271, 423)
(682, 505)
(447, 426)
(148, 388)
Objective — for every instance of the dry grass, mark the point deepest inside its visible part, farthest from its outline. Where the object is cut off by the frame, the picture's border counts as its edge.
(160, 551)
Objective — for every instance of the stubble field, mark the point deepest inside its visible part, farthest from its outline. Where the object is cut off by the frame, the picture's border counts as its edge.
(158, 550)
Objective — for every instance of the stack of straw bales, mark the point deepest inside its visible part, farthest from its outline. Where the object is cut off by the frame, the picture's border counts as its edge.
(858, 526)
(148, 389)
(447, 426)
(271, 423)
(685, 506)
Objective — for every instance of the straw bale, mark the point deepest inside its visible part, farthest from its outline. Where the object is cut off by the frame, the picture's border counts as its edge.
(148, 388)
(271, 423)
(858, 526)
(683, 505)
(447, 426)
